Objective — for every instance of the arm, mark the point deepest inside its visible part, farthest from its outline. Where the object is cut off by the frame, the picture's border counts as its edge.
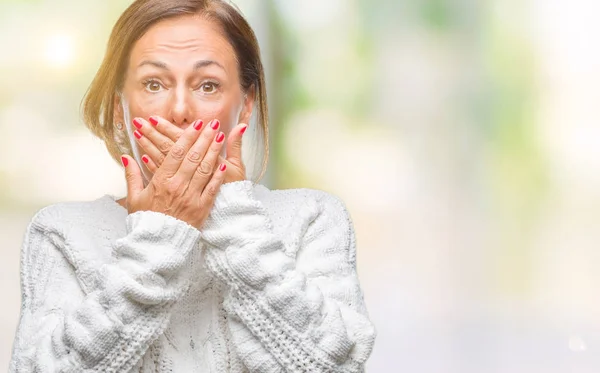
(62, 329)
(303, 314)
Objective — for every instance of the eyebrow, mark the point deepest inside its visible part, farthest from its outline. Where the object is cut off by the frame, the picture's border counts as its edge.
(163, 66)
(203, 63)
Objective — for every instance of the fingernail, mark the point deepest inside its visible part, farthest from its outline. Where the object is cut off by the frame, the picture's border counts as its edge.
(125, 161)
(222, 167)
(198, 124)
(243, 129)
(145, 159)
(138, 134)
(137, 123)
(220, 137)
(153, 120)
(215, 124)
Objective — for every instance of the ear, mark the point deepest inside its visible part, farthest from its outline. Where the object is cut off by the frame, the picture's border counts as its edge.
(117, 109)
(246, 113)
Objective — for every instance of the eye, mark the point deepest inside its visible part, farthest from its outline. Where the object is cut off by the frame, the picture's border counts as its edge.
(208, 87)
(153, 86)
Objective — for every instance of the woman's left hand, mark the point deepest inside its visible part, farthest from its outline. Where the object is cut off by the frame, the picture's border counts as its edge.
(157, 135)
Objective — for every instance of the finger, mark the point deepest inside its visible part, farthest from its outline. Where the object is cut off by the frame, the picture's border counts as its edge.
(204, 171)
(150, 164)
(207, 198)
(223, 160)
(150, 148)
(234, 173)
(158, 140)
(133, 176)
(179, 150)
(166, 128)
(234, 144)
(195, 161)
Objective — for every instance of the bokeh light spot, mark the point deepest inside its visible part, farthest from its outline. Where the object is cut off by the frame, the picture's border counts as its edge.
(60, 50)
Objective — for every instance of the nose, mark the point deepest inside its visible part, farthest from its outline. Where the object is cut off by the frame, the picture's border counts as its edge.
(180, 107)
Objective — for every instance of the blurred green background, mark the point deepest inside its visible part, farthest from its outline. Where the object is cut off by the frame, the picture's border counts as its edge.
(463, 136)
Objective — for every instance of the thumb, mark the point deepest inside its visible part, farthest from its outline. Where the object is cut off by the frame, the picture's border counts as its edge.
(133, 176)
(234, 144)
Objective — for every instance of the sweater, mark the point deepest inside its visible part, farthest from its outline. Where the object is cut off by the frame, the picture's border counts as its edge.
(268, 284)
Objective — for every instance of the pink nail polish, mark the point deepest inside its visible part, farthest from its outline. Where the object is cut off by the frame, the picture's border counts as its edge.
(145, 159)
(220, 137)
(215, 124)
(125, 161)
(198, 124)
(137, 123)
(153, 120)
(137, 134)
(223, 167)
(243, 129)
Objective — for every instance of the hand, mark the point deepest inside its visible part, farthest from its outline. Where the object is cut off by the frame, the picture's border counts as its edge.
(157, 136)
(184, 186)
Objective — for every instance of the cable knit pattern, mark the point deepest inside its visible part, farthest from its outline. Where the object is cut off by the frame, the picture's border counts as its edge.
(269, 284)
(113, 325)
(306, 311)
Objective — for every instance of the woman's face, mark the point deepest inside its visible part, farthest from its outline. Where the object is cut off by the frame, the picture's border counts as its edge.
(184, 69)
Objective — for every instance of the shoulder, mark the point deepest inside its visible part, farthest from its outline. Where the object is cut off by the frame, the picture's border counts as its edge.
(284, 203)
(305, 215)
(68, 214)
(73, 223)
(79, 231)
(293, 199)
(296, 197)
(43, 250)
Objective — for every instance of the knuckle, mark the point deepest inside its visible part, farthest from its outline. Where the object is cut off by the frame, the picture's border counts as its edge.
(157, 182)
(204, 169)
(173, 186)
(178, 151)
(194, 156)
(130, 176)
(212, 190)
(164, 146)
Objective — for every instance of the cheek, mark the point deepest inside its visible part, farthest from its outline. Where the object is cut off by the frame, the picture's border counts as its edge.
(225, 112)
(145, 107)
(139, 111)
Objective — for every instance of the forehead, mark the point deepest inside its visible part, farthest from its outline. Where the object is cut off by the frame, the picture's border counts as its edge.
(183, 40)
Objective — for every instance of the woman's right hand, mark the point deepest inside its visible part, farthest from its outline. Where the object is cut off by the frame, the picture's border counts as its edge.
(184, 186)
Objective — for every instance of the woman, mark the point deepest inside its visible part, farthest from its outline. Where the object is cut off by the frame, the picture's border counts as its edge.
(197, 269)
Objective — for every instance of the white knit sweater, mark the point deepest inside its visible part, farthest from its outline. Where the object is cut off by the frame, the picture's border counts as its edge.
(269, 284)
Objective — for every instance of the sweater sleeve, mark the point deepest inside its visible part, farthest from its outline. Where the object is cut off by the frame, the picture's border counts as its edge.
(289, 313)
(63, 328)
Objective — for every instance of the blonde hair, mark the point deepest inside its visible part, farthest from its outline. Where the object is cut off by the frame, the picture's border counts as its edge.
(98, 103)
